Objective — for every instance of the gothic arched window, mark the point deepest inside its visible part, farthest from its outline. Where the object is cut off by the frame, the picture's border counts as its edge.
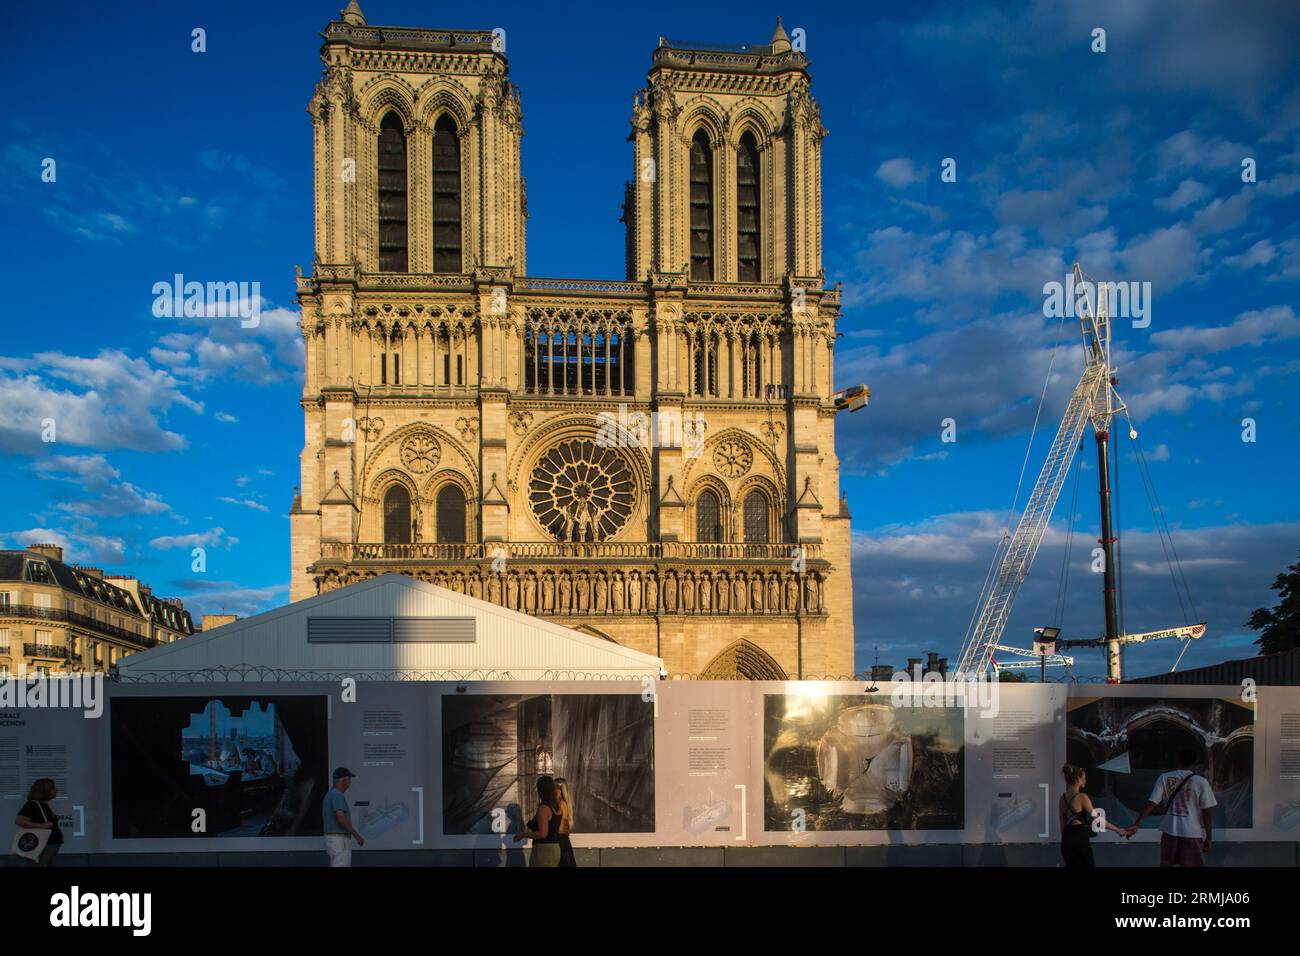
(747, 209)
(756, 518)
(708, 517)
(392, 195)
(701, 208)
(450, 505)
(397, 515)
(446, 196)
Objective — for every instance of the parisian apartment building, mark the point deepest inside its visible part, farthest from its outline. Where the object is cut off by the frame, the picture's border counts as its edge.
(59, 618)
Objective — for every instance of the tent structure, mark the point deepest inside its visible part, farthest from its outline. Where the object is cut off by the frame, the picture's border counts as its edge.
(392, 627)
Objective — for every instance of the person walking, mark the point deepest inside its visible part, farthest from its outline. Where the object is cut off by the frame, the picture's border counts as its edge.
(339, 831)
(544, 828)
(1076, 813)
(36, 814)
(566, 822)
(1186, 831)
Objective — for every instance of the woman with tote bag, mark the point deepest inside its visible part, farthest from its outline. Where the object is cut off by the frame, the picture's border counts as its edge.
(39, 837)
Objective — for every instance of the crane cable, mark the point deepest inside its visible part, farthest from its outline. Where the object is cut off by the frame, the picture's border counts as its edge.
(1024, 465)
(1176, 573)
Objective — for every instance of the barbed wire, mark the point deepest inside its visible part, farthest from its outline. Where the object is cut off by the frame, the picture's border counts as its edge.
(252, 673)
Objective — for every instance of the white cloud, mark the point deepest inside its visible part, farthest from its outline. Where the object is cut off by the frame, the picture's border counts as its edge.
(1260, 254)
(246, 503)
(78, 547)
(107, 401)
(223, 349)
(1189, 192)
(93, 473)
(898, 173)
(213, 537)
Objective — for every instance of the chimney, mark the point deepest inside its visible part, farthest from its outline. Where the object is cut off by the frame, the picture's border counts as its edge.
(914, 667)
(90, 572)
(931, 662)
(881, 672)
(52, 551)
(212, 621)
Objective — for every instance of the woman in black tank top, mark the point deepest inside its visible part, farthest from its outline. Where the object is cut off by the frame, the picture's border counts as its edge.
(544, 828)
(1076, 811)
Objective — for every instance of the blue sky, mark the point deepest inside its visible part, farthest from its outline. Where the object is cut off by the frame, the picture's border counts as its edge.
(174, 432)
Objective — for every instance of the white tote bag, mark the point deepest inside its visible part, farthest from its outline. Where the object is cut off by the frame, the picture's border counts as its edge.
(30, 843)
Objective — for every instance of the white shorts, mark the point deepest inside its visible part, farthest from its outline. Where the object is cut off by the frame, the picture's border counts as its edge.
(339, 848)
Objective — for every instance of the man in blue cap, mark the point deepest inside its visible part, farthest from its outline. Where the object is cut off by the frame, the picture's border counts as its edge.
(339, 830)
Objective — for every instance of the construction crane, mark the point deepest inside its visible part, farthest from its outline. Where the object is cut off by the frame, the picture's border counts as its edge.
(1094, 400)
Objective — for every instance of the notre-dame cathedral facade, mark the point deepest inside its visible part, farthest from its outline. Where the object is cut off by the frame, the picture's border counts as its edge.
(651, 460)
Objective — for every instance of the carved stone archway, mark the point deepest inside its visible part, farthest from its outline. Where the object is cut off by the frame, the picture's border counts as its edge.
(743, 660)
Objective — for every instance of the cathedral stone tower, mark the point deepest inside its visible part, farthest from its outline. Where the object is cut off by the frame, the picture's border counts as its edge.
(651, 460)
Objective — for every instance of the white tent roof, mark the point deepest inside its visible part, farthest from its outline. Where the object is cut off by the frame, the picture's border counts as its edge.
(486, 642)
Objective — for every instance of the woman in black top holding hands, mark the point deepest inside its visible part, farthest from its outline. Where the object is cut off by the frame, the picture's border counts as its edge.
(1076, 811)
(36, 814)
(544, 828)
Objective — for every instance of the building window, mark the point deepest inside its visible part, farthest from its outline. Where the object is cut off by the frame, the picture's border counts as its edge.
(708, 518)
(392, 195)
(756, 526)
(446, 196)
(581, 491)
(586, 353)
(747, 209)
(4, 600)
(384, 358)
(701, 208)
(397, 515)
(450, 505)
(705, 346)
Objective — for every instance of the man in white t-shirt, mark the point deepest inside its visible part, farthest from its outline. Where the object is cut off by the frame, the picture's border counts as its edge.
(1186, 834)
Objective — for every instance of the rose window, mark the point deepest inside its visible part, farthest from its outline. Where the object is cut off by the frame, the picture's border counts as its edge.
(420, 453)
(581, 492)
(733, 458)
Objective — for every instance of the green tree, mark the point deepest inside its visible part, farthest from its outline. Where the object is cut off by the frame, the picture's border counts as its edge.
(1279, 628)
